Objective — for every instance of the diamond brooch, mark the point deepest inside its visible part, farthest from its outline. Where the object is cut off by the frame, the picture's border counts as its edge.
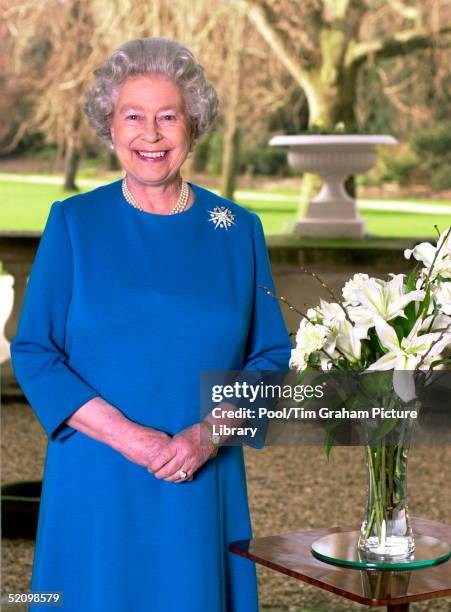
(222, 216)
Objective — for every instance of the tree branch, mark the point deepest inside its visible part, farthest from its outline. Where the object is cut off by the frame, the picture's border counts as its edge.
(408, 12)
(398, 44)
(257, 14)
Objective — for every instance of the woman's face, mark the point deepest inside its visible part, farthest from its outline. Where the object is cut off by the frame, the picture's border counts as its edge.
(150, 116)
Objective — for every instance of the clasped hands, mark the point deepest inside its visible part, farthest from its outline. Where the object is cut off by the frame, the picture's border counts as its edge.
(164, 455)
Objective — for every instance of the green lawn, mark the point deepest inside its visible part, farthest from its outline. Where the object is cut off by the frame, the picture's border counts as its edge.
(25, 206)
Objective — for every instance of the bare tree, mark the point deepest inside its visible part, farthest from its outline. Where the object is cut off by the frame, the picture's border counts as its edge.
(234, 76)
(324, 43)
(238, 66)
(52, 54)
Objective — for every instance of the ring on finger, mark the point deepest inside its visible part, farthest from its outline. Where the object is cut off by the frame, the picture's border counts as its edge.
(183, 474)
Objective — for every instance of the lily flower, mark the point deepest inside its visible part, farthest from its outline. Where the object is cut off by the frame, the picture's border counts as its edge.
(331, 312)
(436, 322)
(380, 299)
(427, 253)
(442, 297)
(349, 340)
(407, 354)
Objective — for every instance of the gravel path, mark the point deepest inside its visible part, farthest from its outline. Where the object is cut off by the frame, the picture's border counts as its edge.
(290, 489)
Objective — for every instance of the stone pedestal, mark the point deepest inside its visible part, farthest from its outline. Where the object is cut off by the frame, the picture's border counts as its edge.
(6, 306)
(333, 212)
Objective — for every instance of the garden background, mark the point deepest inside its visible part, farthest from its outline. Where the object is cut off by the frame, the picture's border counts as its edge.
(280, 67)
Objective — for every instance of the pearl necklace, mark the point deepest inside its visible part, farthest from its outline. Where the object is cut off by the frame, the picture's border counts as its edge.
(179, 206)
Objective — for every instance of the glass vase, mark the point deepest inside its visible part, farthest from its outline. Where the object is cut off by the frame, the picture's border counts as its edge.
(386, 532)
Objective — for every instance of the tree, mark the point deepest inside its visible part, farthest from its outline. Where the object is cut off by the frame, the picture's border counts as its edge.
(231, 140)
(324, 43)
(251, 88)
(245, 77)
(53, 56)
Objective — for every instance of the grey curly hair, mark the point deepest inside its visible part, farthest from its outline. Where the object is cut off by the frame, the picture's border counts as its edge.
(148, 56)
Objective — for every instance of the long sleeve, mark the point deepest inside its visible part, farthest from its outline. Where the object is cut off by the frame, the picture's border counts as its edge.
(268, 345)
(39, 361)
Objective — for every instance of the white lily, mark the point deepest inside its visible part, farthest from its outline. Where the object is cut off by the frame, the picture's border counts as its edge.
(407, 354)
(437, 322)
(404, 385)
(441, 293)
(380, 299)
(331, 312)
(349, 340)
(427, 253)
(344, 339)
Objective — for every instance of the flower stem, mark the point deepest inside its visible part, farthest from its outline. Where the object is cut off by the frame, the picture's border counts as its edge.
(374, 484)
(370, 523)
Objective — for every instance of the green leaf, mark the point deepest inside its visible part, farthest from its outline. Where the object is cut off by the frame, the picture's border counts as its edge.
(374, 342)
(411, 279)
(328, 446)
(383, 430)
(377, 385)
(331, 426)
(424, 306)
(411, 316)
(446, 361)
(312, 377)
(399, 327)
(305, 375)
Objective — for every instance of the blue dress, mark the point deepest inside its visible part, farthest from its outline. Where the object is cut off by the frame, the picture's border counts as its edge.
(131, 306)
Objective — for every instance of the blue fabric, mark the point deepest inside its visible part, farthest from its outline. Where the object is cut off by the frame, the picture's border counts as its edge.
(131, 306)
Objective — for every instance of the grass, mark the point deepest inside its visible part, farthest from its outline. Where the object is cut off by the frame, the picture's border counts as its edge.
(25, 206)
(278, 215)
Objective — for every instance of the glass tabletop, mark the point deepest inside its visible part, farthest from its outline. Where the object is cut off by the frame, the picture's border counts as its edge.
(341, 549)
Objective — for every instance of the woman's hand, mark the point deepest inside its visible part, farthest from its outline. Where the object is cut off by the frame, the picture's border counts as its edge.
(151, 448)
(146, 446)
(187, 452)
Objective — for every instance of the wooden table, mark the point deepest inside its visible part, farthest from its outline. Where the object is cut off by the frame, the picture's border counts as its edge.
(290, 554)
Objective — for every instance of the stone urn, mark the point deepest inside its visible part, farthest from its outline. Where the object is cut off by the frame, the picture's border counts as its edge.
(333, 212)
(6, 306)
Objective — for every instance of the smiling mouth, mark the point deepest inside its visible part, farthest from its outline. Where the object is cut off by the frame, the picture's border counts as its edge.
(152, 155)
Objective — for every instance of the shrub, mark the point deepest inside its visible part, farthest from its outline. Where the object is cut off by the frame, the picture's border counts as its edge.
(394, 167)
(265, 161)
(214, 159)
(433, 149)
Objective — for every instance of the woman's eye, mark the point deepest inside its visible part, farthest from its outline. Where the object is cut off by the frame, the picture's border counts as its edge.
(133, 117)
(168, 117)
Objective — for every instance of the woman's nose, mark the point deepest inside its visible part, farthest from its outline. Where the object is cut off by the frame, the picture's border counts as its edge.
(151, 130)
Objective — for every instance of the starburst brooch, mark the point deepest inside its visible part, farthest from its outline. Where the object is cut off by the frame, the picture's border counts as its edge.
(222, 216)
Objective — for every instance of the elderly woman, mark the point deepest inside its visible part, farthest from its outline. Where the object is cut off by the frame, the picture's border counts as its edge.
(137, 287)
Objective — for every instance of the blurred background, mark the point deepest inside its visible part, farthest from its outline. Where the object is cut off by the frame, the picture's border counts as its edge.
(281, 67)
